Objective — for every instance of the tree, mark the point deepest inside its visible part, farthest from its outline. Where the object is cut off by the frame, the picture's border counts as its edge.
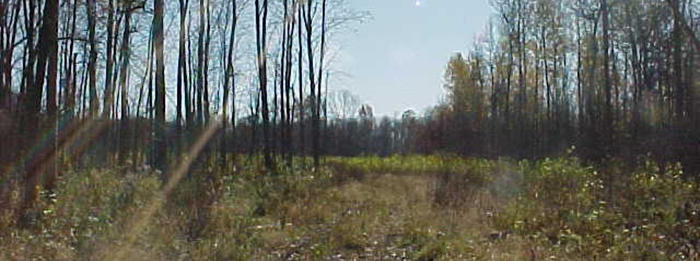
(343, 104)
(125, 58)
(607, 84)
(9, 18)
(462, 81)
(315, 90)
(182, 79)
(161, 144)
(319, 98)
(285, 78)
(261, 47)
(202, 96)
(229, 84)
(92, 61)
(45, 66)
(111, 47)
(679, 21)
(300, 71)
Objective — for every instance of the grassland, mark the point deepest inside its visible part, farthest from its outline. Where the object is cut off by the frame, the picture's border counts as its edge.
(368, 208)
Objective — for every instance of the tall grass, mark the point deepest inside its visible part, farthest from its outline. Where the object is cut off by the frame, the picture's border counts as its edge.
(610, 211)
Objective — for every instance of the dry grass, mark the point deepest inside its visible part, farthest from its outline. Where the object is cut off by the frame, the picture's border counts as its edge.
(391, 217)
(384, 217)
(298, 216)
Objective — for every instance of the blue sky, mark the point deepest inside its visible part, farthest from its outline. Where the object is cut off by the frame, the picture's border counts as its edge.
(396, 60)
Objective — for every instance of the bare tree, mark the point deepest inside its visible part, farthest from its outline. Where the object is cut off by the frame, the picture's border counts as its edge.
(125, 58)
(300, 71)
(315, 90)
(229, 85)
(182, 80)
(343, 104)
(161, 145)
(261, 11)
(46, 68)
(92, 61)
(319, 98)
(109, 68)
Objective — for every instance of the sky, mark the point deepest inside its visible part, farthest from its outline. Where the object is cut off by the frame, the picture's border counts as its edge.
(396, 60)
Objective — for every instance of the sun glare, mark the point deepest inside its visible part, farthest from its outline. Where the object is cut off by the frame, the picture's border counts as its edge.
(418, 3)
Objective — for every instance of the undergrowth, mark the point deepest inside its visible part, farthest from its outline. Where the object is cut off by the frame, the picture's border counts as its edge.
(368, 208)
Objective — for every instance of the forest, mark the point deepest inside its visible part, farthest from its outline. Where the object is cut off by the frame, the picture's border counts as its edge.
(210, 130)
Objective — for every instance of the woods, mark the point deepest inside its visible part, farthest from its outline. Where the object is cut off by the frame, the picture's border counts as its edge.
(612, 79)
(106, 73)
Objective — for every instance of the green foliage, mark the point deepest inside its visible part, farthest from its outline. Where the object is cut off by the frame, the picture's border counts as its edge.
(361, 166)
(402, 165)
(456, 180)
(572, 208)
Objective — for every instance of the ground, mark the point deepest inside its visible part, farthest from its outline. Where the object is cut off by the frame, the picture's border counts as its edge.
(391, 217)
(396, 208)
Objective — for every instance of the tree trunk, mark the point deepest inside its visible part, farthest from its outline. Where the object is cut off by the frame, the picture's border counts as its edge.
(288, 81)
(92, 60)
(261, 43)
(317, 111)
(181, 71)
(46, 66)
(124, 89)
(607, 84)
(300, 69)
(200, 63)
(109, 94)
(161, 144)
(312, 78)
(228, 81)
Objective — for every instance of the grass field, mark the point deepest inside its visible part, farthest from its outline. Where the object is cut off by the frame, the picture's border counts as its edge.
(369, 208)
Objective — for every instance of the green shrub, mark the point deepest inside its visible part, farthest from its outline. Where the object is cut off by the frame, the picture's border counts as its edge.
(569, 206)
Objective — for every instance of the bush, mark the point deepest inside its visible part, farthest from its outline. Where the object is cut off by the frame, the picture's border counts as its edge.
(459, 180)
(568, 206)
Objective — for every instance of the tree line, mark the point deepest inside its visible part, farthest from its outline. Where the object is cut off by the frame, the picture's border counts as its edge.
(600, 78)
